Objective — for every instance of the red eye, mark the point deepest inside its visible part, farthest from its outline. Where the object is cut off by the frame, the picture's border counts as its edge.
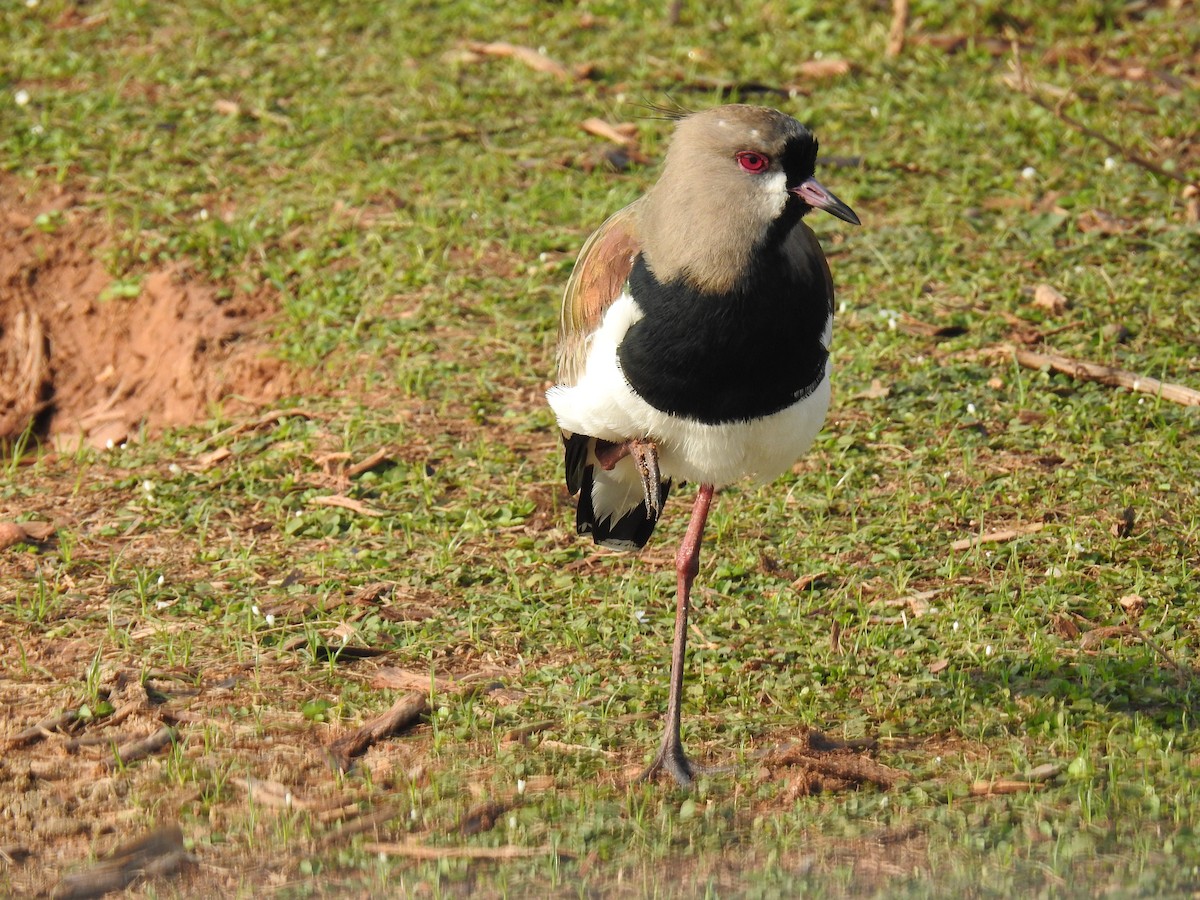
(754, 163)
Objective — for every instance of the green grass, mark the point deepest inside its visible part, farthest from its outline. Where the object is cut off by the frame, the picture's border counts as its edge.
(416, 214)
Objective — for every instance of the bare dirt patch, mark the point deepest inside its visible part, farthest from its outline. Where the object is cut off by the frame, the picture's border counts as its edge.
(84, 357)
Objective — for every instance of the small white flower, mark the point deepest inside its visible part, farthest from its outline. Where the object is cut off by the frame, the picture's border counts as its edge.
(21, 97)
(1029, 173)
(31, 4)
(970, 409)
(162, 604)
(148, 486)
(987, 651)
(36, 130)
(109, 444)
(412, 814)
(640, 615)
(162, 579)
(202, 215)
(955, 626)
(270, 617)
(512, 821)
(174, 468)
(1109, 164)
(254, 609)
(520, 785)
(124, 444)
(874, 112)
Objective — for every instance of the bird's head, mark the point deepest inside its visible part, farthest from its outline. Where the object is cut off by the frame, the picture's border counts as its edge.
(731, 174)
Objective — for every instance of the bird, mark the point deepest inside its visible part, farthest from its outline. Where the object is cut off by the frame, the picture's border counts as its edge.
(693, 344)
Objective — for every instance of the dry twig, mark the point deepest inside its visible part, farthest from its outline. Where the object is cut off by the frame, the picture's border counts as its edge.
(139, 749)
(1087, 371)
(997, 537)
(895, 40)
(405, 713)
(159, 852)
(1022, 84)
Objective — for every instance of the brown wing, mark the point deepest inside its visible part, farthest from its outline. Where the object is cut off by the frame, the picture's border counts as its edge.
(596, 281)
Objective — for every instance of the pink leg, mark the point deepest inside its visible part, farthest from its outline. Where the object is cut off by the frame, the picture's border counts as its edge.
(687, 563)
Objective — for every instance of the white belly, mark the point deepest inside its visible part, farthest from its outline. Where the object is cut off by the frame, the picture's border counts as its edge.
(602, 404)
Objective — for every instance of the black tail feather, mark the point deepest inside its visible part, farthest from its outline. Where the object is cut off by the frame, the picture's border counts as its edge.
(631, 531)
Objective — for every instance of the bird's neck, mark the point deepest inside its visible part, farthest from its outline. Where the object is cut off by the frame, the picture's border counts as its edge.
(711, 253)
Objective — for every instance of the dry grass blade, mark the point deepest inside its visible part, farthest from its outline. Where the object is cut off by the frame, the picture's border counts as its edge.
(1087, 371)
(1003, 786)
(413, 850)
(343, 502)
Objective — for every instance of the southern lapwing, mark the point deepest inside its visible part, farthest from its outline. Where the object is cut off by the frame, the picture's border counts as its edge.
(694, 342)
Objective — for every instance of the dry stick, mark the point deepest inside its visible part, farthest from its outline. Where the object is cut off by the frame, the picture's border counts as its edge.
(405, 712)
(135, 750)
(422, 851)
(895, 40)
(1022, 84)
(1086, 371)
(158, 852)
(43, 729)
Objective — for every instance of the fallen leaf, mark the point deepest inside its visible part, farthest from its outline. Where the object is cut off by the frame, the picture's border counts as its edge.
(938, 665)
(21, 532)
(877, 391)
(624, 134)
(1065, 627)
(1101, 221)
(823, 68)
(1133, 605)
(1050, 299)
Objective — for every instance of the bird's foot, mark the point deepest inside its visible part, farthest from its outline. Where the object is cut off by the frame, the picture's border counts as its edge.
(645, 457)
(672, 760)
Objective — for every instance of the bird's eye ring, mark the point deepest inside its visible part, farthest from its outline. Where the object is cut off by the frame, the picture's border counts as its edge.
(754, 163)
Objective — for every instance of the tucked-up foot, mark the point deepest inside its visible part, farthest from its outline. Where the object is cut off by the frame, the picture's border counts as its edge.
(645, 456)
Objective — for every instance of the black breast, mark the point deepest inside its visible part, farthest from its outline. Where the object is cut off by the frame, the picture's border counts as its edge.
(740, 355)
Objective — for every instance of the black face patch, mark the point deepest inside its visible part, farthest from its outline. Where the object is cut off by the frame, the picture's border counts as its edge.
(739, 355)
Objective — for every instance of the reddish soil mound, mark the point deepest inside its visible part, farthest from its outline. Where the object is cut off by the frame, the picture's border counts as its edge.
(80, 360)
